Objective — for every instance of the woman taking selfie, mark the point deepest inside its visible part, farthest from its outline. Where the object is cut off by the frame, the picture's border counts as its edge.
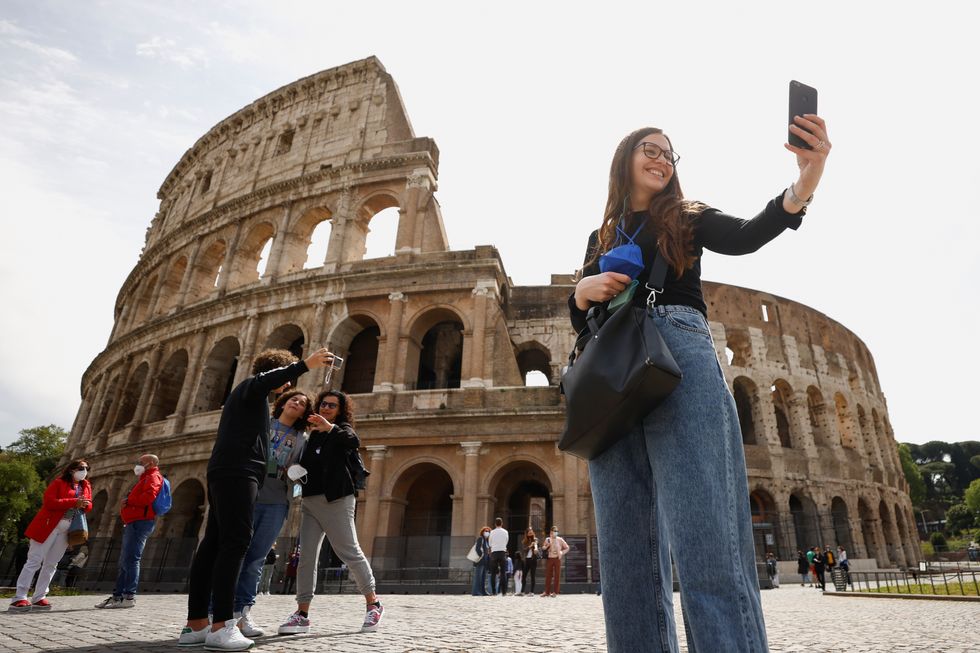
(680, 472)
(48, 532)
(328, 509)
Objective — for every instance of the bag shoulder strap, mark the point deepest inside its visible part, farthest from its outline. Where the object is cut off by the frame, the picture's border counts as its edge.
(658, 276)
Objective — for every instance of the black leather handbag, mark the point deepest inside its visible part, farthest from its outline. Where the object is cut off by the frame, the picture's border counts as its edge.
(619, 371)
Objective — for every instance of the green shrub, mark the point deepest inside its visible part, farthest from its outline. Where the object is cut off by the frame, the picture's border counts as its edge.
(938, 541)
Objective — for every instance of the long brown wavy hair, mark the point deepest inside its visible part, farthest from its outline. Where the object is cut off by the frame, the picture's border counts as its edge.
(345, 413)
(670, 213)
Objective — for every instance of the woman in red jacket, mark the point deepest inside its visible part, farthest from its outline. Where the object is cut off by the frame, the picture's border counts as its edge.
(49, 533)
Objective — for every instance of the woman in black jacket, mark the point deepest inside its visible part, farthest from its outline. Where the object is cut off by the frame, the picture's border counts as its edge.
(328, 509)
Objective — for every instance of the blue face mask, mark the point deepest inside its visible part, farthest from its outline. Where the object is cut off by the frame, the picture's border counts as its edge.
(626, 258)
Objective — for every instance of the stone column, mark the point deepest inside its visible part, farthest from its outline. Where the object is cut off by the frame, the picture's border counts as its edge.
(570, 475)
(338, 232)
(419, 185)
(185, 283)
(227, 265)
(117, 400)
(477, 343)
(385, 380)
(144, 401)
(90, 422)
(191, 380)
(369, 526)
(274, 269)
(471, 450)
(161, 282)
(248, 348)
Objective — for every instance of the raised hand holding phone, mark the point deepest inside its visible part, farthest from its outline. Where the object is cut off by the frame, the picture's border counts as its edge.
(809, 141)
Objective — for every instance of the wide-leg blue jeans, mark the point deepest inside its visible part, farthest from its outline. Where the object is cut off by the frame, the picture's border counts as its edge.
(675, 489)
(267, 521)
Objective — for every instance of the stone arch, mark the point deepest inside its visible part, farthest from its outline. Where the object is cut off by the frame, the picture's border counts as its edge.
(841, 520)
(96, 516)
(245, 263)
(169, 383)
(888, 531)
(803, 512)
(765, 526)
(144, 297)
(187, 514)
(746, 394)
(903, 543)
(522, 495)
(868, 531)
(782, 394)
(356, 240)
(436, 348)
(425, 488)
(739, 346)
(207, 267)
(131, 396)
(289, 336)
(356, 338)
(299, 239)
(101, 428)
(845, 423)
(217, 375)
(532, 356)
(170, 292)
(817, 411)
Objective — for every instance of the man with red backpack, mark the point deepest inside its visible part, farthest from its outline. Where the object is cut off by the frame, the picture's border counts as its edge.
(148, 498)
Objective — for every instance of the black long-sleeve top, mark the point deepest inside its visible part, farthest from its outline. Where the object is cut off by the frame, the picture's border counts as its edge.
(241, 449)
(713, 230)
(325, 460)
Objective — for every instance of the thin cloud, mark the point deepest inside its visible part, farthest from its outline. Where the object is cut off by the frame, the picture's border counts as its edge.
(168, 50)
(51, 55)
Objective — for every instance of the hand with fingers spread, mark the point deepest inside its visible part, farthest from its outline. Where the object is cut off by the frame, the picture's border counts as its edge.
(599, 288)
(812, 129)
(319, 423)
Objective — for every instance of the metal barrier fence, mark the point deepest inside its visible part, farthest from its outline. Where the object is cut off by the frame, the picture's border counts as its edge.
(948, 582)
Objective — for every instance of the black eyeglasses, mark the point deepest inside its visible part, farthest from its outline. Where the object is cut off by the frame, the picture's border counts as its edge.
(654, 151)
(329, 404)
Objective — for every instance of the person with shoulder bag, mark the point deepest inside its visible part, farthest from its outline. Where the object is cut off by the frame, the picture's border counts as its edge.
(482, 547)
(685, 456)
(554, 550)
(48, 533)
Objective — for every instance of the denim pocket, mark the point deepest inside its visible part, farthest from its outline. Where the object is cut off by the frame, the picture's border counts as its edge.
(689, 321)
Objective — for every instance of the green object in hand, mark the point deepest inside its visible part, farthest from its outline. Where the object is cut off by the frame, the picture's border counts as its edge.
(624, 297)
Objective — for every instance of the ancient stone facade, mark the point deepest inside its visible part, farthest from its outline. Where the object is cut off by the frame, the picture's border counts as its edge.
(438, 346)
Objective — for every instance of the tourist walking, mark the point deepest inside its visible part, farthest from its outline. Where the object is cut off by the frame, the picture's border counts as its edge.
(810, 554)
(685, 458)
(554, 549)
(237, 470)
(328, 509)
(480, 568)
(772, 571)
(802, 567)
(65, 496)
(139, 520)
(819, 563)
(530, 553)
(286, 444)
(498, 557)
(267, 569)
(843, 563)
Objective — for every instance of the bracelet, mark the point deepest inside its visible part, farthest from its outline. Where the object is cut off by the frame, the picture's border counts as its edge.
(796, 200)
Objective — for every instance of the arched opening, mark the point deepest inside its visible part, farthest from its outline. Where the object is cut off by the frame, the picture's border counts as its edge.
(534, 361)
(844, 423)
(289, 337)
(319, 241)
(108, 399)
(781, 394)
(744, 391)
(131, 396)
(217, 375)
(362, 362)
(522, 498)
(441, 357)
(888, 532)
(382, 232)
(868, 527)
(805, 524)
(765, 526)
(170, 381)
(170, 293)
(248, 264)
(204, 278)
(187, 514)
(842, 523)
(373, 233)
(739, 347)
(144, 301)
(903, 535)
(817, 412)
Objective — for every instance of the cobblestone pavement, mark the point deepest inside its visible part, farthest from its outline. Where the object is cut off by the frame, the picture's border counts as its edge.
(798, 619)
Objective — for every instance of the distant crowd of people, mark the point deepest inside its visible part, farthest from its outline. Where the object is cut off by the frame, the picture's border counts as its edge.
(498, 563)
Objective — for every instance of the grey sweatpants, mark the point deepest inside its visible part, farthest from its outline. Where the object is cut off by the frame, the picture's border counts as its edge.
(335, 519)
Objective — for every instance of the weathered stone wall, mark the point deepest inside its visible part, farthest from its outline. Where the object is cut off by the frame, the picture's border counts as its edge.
(438, 345)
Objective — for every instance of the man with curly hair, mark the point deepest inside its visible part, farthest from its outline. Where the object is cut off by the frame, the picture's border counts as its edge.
(236, 471)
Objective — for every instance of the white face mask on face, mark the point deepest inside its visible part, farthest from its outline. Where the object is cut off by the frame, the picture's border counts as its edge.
(80, 475)
(138, 470)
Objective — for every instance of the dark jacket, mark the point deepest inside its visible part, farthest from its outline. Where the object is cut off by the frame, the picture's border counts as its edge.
(241, 449)
(139, 502)
(325, 460)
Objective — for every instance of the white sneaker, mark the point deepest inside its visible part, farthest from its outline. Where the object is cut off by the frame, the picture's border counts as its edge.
(228, 638)
(245, 623)
(189, 638)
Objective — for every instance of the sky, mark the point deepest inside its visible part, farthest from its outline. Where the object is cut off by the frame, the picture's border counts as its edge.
(526, 101)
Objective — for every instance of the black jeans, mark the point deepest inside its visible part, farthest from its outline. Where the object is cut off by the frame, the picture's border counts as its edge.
(218, 560)
(498, 565)
(530, 565)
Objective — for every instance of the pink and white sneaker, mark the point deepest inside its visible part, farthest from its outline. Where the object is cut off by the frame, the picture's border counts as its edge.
(372, 618)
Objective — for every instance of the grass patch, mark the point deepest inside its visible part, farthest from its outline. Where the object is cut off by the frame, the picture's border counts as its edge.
(955, 589)
(54, 591)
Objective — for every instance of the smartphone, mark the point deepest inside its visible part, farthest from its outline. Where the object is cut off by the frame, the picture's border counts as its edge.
(336, 364)
(802, 99)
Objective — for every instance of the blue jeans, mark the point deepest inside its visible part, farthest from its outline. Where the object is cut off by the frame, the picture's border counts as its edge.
(134, 539)
(480, 578)
(267, 521)
(675, 489)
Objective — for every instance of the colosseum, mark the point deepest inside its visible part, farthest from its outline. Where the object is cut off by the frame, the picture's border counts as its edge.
(440, 346)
